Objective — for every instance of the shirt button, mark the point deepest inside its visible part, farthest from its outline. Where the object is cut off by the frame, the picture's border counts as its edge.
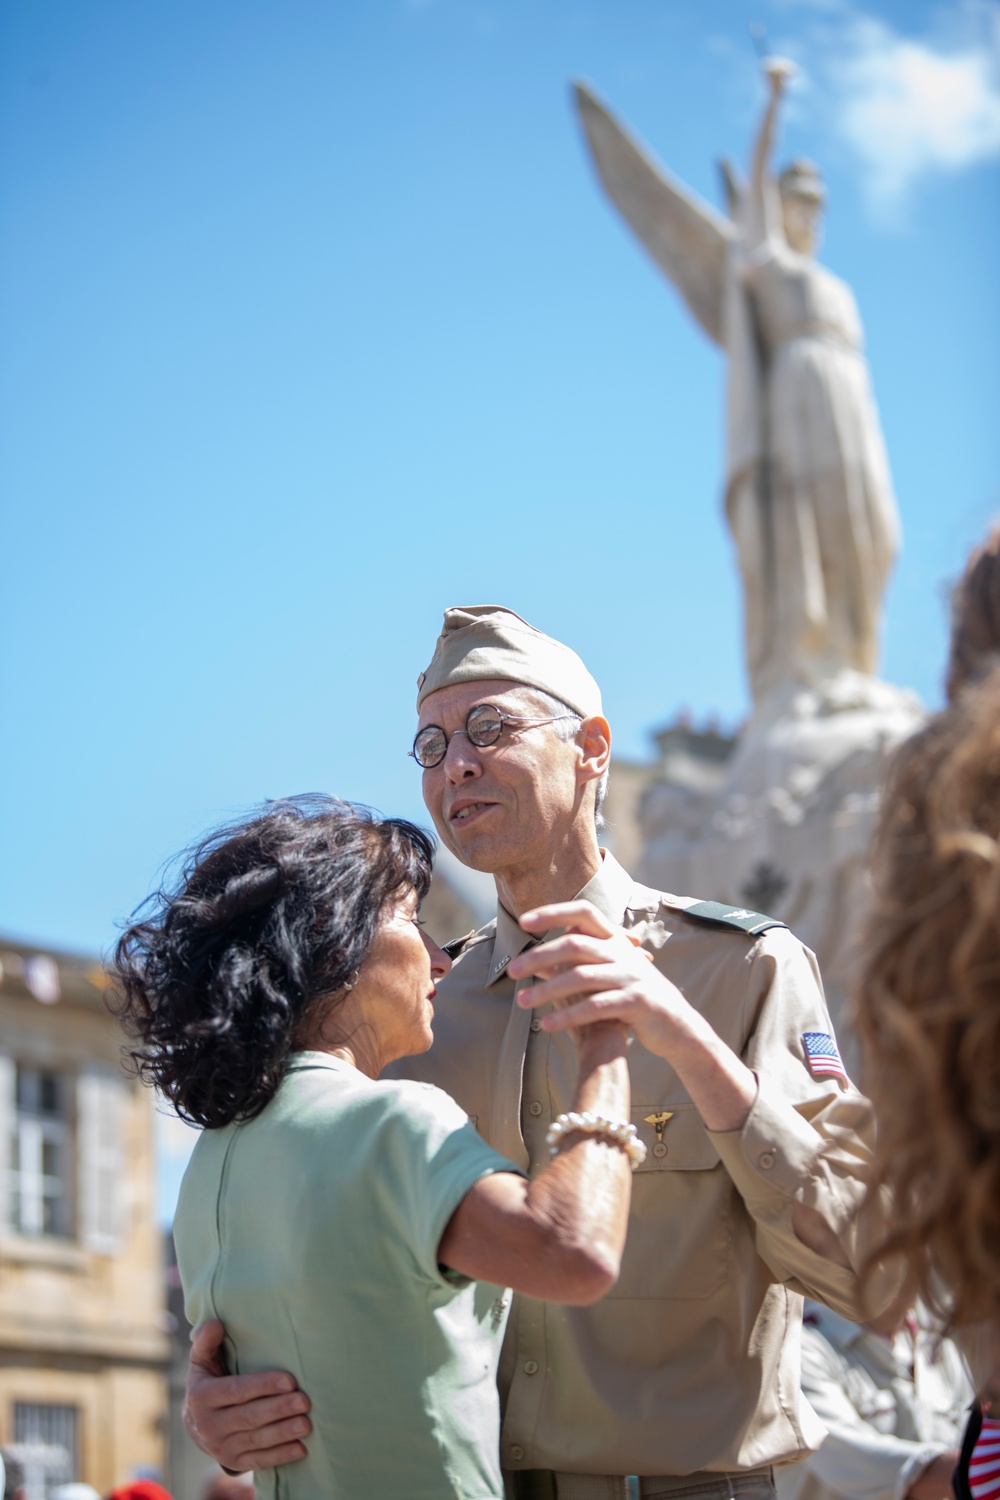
(517, 1453)
(659, 1149)
(531, 1367)
(536, 1024)
(534, 1108)
(766, 1160)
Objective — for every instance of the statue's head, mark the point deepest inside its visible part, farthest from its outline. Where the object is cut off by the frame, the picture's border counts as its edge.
(802, 200)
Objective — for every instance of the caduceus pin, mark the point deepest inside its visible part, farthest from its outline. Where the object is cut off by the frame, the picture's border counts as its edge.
(659, 1124)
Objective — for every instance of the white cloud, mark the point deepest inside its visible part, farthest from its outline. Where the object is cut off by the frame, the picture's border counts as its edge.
(909, 108)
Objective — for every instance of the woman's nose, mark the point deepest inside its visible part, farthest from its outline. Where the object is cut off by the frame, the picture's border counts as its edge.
(440, 962)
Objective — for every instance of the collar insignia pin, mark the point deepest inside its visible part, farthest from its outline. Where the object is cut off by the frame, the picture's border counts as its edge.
(498, 966)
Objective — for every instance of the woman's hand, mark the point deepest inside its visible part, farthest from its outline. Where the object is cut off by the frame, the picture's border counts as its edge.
(597, 973)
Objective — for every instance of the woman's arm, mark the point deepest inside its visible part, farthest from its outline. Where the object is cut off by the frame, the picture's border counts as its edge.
(764, 221)
(560, 1237)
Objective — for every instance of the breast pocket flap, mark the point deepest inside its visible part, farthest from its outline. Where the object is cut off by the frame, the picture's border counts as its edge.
(675, 1139)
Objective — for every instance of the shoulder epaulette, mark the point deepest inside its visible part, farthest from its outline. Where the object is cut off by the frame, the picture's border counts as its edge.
(753, 923)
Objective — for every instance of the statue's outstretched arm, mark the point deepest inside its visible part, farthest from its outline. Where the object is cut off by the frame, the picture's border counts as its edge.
(688, 240)
(764, 217)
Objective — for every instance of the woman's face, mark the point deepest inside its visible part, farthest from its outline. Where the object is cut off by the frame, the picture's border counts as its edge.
(395, 989)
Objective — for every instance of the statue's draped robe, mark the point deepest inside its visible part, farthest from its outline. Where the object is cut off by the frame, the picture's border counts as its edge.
(808, 493)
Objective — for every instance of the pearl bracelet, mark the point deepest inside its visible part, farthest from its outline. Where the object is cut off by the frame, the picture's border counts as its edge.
(590, 1124)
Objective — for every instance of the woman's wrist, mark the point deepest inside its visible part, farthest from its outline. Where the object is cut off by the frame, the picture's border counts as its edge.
(601, 1042)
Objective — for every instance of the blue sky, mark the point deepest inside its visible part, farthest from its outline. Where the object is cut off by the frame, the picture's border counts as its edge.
(315, 321)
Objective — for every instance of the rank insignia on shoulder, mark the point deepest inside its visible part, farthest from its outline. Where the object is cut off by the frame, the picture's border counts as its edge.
(823, 1055)
(751, 922)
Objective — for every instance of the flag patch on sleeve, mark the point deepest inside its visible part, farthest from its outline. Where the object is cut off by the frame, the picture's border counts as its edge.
(823, 1056)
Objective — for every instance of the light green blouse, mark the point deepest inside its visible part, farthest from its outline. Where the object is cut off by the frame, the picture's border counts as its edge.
(312, 1232)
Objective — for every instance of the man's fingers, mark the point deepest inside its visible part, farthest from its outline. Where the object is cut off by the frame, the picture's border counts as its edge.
(207, 1352)
(254, 1436)
(572, 948)
(578, 915)
(273, 1419)
(267, 1426)
(605, 1006)
(582, 980)
(267, 1458)
(235, 1391)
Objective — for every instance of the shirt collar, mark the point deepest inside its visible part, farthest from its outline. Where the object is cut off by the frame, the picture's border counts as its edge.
(303, 1062)
(609, 889)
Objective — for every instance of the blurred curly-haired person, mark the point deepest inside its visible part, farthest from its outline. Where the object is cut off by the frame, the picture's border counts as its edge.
(928, 1002)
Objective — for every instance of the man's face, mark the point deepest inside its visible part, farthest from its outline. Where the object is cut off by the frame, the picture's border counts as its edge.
(507, 805)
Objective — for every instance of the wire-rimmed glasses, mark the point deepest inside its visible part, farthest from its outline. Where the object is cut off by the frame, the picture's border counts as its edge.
(484, 725)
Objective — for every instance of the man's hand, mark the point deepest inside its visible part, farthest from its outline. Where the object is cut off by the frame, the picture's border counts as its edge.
(598, 972)
(243, 1421)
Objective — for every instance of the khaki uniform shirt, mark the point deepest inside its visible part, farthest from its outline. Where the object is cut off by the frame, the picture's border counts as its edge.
(889, 1406)
(691, 1362)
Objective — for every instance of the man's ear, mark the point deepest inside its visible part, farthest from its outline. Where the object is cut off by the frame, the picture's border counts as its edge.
(595, 748)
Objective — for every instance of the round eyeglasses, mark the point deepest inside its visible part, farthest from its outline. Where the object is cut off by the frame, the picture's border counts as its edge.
(484, 725)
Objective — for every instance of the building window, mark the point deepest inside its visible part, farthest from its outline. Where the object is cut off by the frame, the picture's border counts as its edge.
(40, 1156)
(45, 1445)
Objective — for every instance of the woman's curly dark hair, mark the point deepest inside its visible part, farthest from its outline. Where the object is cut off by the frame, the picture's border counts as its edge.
(927, 1003)
(270, 917)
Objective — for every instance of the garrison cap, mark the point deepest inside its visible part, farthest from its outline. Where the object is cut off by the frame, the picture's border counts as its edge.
(479, 641)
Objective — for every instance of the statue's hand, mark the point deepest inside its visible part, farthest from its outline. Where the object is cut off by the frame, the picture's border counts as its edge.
(779, 71)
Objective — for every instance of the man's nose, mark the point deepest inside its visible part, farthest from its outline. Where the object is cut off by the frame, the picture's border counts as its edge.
(461, 759)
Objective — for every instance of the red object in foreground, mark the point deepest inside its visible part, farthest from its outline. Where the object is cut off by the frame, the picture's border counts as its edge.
(140, 1489)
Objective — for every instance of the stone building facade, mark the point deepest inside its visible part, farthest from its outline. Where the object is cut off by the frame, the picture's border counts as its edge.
(83, 1346)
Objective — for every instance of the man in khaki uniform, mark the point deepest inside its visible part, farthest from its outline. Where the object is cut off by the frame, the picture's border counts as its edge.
(686, 1374)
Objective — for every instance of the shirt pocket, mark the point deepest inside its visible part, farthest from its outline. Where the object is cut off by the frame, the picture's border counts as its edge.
(680, 1242)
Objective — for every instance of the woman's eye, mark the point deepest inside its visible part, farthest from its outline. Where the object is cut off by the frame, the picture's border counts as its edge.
(418, 921)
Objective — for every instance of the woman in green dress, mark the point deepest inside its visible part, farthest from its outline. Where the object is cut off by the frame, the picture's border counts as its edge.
(353, 1230)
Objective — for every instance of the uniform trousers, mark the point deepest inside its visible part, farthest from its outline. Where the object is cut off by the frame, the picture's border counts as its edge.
(543, 1484)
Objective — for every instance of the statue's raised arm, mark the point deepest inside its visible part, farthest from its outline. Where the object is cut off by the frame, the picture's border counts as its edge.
(688, 240)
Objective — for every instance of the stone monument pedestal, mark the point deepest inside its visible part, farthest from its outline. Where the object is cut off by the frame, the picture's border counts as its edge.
(787, 831)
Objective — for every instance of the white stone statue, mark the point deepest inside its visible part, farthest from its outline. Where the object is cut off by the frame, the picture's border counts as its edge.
(808, 493)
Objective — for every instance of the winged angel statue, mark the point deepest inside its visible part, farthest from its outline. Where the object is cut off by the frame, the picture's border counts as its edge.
(808, 494)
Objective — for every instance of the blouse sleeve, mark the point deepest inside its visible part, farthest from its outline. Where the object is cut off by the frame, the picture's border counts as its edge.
(432, 1156)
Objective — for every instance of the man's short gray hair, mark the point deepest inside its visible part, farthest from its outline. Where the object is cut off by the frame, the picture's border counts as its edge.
(567, 725)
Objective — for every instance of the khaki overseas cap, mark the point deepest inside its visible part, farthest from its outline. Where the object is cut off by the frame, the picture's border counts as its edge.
(479, 641)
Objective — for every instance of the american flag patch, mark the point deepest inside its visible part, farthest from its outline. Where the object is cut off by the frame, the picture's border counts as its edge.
(822, 1055)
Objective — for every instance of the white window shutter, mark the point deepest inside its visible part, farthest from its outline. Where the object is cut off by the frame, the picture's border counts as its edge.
(102, 1101)
(7, 1115)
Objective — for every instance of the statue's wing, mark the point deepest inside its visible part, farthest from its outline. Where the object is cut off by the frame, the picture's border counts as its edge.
(734, 189)
(687, 239)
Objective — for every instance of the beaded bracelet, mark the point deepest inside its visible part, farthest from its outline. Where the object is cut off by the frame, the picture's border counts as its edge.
(590, 1124)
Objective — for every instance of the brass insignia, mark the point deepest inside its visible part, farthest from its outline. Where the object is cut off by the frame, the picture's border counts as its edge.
(659, 1122)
